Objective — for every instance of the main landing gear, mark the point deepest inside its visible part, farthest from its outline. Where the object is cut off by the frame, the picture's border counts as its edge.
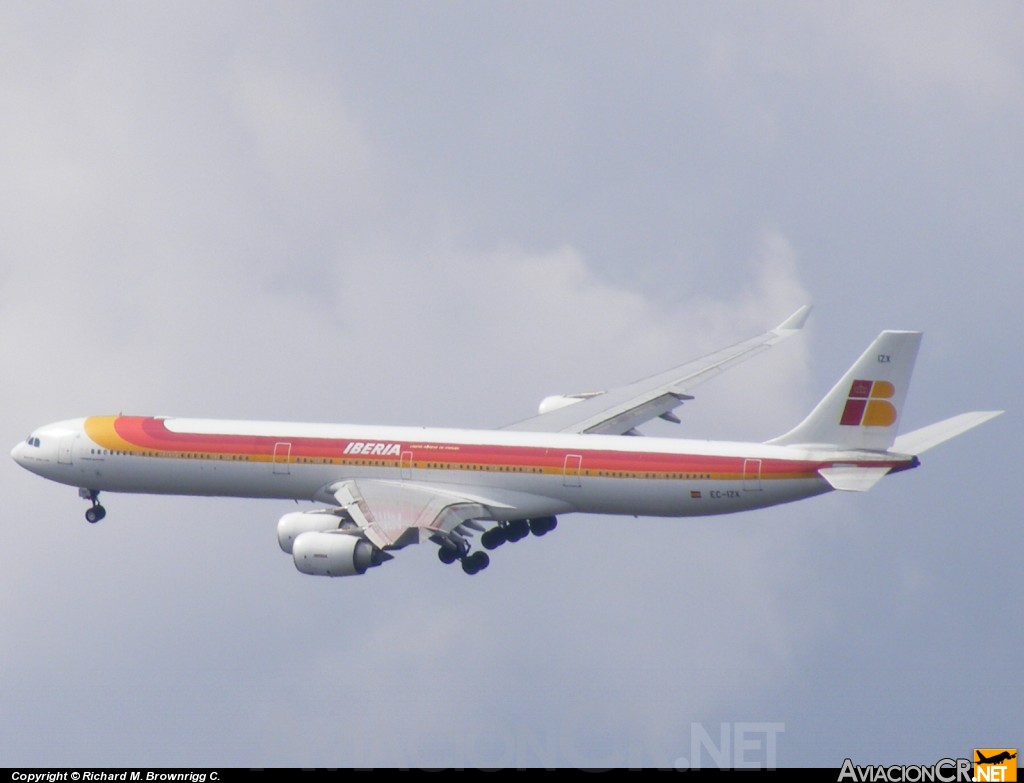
(472, 562)
(97, 512)
(516, 530)
(454, 547)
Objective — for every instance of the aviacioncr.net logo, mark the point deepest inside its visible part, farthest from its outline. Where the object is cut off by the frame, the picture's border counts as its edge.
(942, 771)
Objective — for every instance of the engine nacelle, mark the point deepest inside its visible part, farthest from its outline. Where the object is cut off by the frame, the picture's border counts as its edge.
(556, 401)
(334, 554)
(293, 525)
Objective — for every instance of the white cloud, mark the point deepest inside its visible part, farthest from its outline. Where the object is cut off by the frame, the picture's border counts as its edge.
(302, 135)
(938, 49)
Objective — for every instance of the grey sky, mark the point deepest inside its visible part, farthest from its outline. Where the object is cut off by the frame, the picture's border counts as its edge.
(438, 214)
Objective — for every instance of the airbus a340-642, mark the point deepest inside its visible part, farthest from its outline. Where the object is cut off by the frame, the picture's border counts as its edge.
(387, 487)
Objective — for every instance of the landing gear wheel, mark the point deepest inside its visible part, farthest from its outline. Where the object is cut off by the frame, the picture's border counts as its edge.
(543, 525)
(475, 563)
(97, 512)
(447, 556)
(517, 529)
(493, 538)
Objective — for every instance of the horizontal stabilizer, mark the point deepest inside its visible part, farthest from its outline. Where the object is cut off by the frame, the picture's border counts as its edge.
(852, 478)
(919, 441)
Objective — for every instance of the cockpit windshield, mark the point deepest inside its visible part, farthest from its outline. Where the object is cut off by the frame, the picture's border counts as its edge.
(33, 441)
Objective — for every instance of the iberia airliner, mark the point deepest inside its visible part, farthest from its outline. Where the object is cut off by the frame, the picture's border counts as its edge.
(384, 488)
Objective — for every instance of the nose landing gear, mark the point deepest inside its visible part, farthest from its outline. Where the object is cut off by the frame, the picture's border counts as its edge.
(97, 512)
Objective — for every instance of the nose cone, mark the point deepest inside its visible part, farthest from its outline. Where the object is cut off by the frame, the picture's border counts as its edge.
(17, 454)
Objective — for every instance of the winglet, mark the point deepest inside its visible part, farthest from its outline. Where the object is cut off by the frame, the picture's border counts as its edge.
(796, 321)
(790, 326)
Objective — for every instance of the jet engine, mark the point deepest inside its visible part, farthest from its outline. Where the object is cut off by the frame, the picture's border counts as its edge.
(335, 554)
(556, 401)
(293, 525)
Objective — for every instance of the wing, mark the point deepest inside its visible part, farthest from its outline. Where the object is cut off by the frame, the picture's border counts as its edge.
(394, 514)
(618, 411)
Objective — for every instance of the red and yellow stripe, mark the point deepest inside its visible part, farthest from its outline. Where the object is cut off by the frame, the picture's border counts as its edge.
(144, 436)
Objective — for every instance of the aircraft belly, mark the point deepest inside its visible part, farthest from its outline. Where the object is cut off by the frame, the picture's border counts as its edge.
(690, 498)
(197, 477)
(538, 495)
(524, 496)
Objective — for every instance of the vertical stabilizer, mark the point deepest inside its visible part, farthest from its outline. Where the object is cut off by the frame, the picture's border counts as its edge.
(863, 410)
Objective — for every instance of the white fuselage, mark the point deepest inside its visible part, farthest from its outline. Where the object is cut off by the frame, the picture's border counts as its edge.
(526, 474)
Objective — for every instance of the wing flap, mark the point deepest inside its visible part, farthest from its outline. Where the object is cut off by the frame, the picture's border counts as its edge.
(626, 418)
(392, 514)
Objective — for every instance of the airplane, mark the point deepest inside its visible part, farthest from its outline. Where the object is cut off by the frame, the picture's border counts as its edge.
(996, 759)
(384, 488)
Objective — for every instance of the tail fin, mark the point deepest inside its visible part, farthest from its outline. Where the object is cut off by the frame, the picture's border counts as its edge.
(863, 410)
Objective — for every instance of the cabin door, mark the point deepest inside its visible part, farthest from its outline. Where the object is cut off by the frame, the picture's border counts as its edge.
(571, 470)
(282, 458)
(752, 474)
(64, 449)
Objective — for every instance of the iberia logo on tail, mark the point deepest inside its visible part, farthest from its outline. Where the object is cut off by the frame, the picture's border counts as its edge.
(867, 405)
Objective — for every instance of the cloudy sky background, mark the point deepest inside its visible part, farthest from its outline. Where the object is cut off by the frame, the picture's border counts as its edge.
(438, 214)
